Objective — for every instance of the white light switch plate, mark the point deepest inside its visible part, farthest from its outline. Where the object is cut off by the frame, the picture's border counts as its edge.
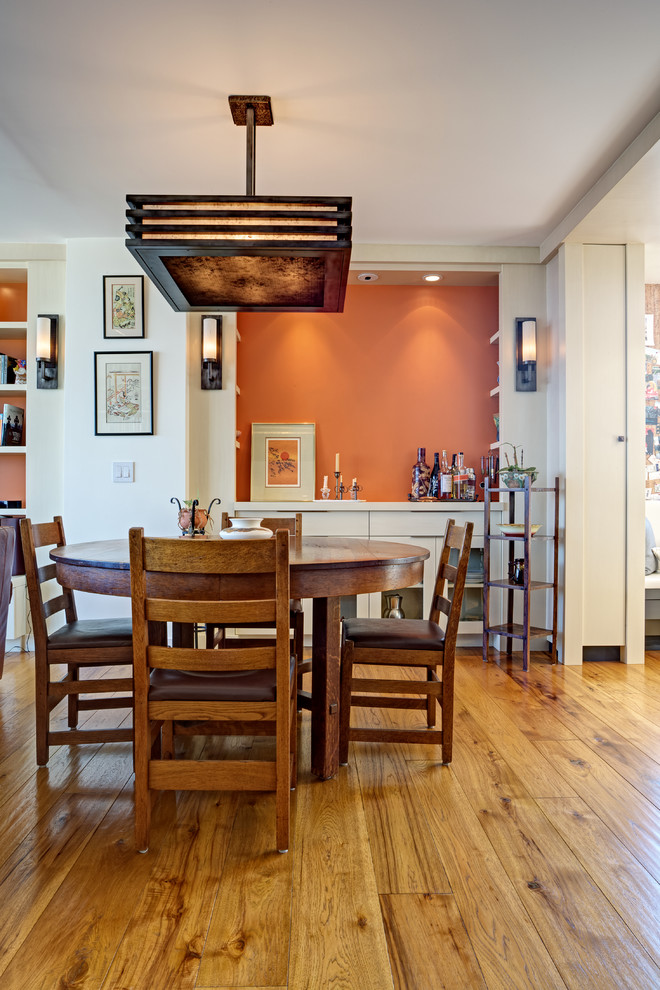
(122, 471)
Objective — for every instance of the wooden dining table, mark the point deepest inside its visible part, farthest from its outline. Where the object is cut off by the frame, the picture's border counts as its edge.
(324, 569)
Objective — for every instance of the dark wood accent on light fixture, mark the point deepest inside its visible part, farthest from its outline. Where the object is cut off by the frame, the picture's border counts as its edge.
(220, 262)
(252, 253)
(263, 111)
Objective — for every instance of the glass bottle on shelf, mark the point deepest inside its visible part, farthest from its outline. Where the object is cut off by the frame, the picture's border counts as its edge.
(471, 486)
(434, 480)
(445, 478)
(460, 478)
(420, 475)
(453, 471)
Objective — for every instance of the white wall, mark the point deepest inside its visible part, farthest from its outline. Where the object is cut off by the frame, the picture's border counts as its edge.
(523, 415)
(93, 506)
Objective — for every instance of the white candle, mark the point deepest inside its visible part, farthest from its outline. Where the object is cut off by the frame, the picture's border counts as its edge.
(354, 482)
(336, 462)
(325, 481)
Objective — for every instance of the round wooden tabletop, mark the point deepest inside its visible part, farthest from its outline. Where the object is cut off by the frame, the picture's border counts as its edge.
(321, 566)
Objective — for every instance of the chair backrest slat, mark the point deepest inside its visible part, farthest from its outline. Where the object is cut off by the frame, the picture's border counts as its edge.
(189, 658)
(456, 538)
(43, 604)
(163, 610)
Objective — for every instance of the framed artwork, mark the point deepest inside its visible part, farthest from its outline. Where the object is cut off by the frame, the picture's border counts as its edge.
(283, 462)
(123, 393)
(123, 306)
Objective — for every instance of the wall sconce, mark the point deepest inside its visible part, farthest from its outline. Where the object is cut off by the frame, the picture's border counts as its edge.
(526, 355)
(47, 351)
(211, 352)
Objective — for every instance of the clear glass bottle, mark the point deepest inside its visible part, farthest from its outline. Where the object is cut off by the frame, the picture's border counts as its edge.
(460, 478)
(445, 478)
(453, 471)
(420, 475)
(434, 480)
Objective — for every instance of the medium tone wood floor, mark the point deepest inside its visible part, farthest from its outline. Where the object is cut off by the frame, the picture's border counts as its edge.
(532, 861)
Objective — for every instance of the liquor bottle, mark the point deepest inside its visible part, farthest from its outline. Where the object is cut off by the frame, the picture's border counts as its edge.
(434, 480)
(445, 478)
(452, 474)
(460, 478)
(420, 475)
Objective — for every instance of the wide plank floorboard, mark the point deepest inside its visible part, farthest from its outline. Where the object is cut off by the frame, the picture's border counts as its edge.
(533, 861)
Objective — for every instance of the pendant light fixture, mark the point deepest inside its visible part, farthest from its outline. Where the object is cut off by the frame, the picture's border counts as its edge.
(244, 253)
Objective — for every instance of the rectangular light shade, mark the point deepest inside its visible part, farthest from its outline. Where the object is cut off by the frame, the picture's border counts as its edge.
(526, 355)
(529, 340)
(244, 253)
(209, 339)
(46, 339)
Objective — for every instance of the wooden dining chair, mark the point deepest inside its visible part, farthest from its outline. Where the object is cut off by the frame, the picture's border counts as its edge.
(7, 538)
(297, 617)
(239, 688)
(80, 644)
(409, 643)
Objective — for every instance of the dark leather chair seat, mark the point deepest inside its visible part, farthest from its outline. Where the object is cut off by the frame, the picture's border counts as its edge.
(92, 633)
(398, 634)
(199, 685)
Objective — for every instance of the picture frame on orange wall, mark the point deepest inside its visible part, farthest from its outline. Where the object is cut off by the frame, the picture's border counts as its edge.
(283, 462)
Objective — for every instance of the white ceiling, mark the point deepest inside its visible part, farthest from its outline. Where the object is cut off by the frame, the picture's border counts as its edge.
(449, 123)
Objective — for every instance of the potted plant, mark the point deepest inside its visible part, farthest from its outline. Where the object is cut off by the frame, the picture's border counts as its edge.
(513, 475)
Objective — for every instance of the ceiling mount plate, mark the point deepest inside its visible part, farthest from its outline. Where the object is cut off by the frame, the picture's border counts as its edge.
(263, 112)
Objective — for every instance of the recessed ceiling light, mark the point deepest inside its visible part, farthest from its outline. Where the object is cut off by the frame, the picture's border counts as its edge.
(367, 277)
(433, 278)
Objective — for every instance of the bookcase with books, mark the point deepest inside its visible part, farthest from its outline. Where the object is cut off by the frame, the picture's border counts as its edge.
(13, 390)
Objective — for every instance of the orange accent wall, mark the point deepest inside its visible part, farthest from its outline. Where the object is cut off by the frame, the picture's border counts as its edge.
(402, 367)
(13, 302)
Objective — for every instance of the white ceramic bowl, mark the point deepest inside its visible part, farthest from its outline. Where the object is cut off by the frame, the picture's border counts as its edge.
(245, 528)
(517, 529)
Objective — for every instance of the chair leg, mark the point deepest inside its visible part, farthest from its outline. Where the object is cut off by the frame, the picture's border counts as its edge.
(72, 700)
(142, 751)
(431, 704)
(42, 710)
(447, 710)
(345, 700)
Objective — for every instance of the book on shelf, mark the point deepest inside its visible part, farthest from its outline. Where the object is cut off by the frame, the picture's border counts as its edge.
(12, 426)
(11, 369)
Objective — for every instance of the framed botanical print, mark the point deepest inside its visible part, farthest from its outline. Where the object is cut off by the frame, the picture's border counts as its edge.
(123, 306)
(123, 393)
(283, 462)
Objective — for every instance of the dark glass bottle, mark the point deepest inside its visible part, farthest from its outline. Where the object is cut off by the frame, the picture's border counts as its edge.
(420, 475)
(434, 480)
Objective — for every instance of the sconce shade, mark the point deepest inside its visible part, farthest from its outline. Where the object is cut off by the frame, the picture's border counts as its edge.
(211, 352)
(526, 355)
(250, 253)
(46, 351)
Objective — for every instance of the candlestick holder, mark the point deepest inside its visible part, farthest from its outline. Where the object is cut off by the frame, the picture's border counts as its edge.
(354, 489)
(339, 486)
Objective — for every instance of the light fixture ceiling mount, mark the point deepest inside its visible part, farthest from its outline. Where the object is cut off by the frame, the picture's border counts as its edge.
(244, 253)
